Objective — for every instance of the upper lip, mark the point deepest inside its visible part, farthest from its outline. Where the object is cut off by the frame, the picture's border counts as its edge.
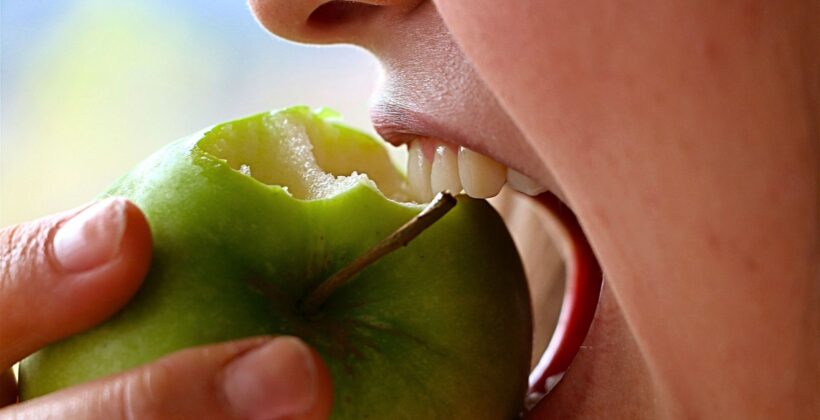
(399, 125)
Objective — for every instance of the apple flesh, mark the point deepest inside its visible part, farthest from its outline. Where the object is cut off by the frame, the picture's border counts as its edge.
(249, 216)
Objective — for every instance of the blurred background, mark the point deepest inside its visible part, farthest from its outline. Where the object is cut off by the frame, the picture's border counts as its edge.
(88, 88)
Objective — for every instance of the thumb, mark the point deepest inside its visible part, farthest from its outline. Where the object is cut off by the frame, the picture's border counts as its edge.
(256, 379)
(65, 273)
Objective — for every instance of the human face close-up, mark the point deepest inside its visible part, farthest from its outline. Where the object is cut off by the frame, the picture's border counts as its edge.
(656, 123)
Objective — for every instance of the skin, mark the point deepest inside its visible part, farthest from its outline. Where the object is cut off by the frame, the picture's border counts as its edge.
(724, 118)
(685, 137)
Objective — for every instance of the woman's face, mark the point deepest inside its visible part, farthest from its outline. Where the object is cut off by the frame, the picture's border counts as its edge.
(536, 86)
(653, 120)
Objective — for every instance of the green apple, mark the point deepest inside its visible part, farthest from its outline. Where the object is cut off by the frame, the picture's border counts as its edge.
(250, 216)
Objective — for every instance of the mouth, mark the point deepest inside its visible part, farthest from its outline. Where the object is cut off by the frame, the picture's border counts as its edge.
(456, 164)
(440, 159)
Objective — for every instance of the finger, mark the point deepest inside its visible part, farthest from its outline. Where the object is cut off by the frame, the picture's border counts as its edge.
(64, 273)
(258, 378)
(8, 388)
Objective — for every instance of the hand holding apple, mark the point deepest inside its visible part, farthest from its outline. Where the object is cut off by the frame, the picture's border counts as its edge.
(248, 218)
(65, 273)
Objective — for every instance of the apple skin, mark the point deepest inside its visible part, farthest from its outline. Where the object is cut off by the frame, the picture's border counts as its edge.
(438, 329)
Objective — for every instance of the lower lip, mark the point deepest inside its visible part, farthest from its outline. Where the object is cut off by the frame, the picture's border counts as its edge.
(582, 292)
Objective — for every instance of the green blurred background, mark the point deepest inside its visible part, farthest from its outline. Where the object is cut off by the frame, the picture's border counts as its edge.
(88, 88)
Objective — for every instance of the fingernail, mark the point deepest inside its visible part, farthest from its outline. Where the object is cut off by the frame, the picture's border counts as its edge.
(273, 381)
(92, 237)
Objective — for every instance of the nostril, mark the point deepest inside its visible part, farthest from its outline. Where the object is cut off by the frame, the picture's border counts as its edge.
(340, 12)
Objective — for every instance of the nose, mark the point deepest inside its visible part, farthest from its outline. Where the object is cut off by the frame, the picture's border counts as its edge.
(331, 21)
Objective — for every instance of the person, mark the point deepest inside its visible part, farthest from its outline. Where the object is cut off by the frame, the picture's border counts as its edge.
(683, 134)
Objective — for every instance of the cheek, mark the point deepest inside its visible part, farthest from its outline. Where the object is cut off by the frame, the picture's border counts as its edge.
(542, 57)
(574, 73)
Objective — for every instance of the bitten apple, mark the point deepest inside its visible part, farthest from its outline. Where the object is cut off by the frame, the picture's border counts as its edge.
(249, 217)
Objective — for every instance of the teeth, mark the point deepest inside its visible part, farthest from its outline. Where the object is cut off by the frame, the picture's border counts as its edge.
(522, 183)
(418, 173)
(481, 176)
(444, 174)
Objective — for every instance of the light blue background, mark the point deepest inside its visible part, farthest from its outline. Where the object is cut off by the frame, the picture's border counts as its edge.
(89, 88)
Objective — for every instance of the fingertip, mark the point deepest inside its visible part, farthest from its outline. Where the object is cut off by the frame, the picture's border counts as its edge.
(99, 292)
(282, 378)
(136, 242)
(102, 254)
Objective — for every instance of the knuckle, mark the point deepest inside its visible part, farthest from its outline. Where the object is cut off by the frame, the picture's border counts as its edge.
(23, 251)
(23, 257)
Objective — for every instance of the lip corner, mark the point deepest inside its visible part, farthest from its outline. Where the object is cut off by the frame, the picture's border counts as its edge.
(391, 125)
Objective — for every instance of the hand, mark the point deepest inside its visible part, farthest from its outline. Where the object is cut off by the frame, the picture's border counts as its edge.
(65, 273)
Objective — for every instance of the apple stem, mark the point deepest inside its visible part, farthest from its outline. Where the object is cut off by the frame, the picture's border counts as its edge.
(441, 204)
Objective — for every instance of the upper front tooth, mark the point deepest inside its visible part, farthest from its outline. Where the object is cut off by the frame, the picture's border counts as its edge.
(444, 174)
(481, 176)
(523, 183)
(418, 173)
